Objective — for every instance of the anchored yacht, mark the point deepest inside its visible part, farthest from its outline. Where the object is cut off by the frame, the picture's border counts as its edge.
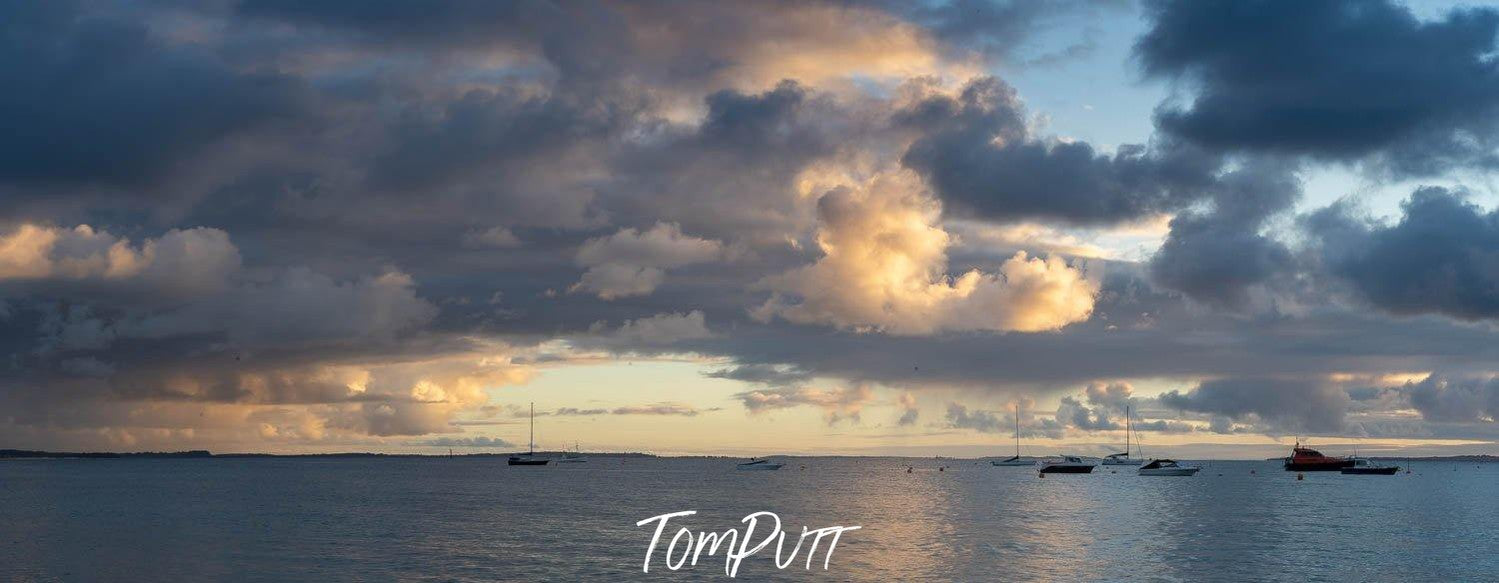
(758, 465)
(1014, 460)
(1067, 464)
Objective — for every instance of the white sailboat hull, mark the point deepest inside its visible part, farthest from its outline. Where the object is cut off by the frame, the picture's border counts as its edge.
(1008, 463)
(1121, 462)
(757, 467)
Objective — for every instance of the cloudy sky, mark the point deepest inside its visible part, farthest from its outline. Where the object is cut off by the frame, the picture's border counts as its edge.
(856, 227)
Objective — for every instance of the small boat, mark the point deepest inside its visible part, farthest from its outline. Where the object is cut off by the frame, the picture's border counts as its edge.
(573, 457)
(758, 465)
(1067, 464)
(1366, 467)
(1123, 459)
(1167, 468)
(529, 458)
(1015, 460)
(1305, 459)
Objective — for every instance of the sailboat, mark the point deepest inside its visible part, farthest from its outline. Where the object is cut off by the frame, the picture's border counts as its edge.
(573, 457)
(1015, 459)
(529, 458)
(1123, 459)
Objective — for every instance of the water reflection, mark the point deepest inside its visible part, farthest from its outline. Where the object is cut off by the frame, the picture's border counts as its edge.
(479, 520)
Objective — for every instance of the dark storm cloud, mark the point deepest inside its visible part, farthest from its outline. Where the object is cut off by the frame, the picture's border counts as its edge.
(1132, 327)
(733, 175)
(977, 153)
(484, 127)
(1281, 404)
(1334, 79)
(371, 213)
(1456, 400)
(958, 416)
(456, 22)
(1441, 257)
(1073, 413)
(1217, 255)
(98, 98)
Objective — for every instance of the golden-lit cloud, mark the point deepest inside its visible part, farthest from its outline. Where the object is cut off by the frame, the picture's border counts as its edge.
(196, 259)
(884, 269)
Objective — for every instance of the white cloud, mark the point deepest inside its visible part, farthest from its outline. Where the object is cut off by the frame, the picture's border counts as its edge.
(634, 263)
(661, 329)
(493, 237)
(837, 404)
(883, 269)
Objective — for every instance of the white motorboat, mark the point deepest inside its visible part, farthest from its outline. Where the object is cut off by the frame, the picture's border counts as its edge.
(1123, 459)
(1015, 460)
(572, 457)
(758, 465)
(1167, 468)
(1067, 464)
(1363, 466)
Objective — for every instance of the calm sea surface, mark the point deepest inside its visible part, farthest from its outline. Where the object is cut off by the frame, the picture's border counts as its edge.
(477, 519)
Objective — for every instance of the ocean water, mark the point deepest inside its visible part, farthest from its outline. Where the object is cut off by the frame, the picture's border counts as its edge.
(476, 519)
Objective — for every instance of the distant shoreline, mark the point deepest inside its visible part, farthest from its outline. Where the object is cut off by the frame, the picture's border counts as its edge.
(202, 453)
(205, 454)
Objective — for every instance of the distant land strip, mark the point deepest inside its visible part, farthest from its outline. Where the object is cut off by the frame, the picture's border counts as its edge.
(203, 453)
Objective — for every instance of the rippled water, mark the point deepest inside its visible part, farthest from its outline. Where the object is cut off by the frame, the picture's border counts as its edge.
(474, 519)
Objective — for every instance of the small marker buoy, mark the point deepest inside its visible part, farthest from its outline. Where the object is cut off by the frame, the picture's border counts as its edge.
(1251, 472)
(1300, 476)
(1040, 475)
(942, 469)
(908, 469)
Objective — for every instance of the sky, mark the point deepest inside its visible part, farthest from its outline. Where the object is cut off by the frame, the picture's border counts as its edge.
(853, 227)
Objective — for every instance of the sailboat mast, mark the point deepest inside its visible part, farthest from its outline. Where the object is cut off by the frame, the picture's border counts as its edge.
(1126, 432)
(532, 437)
(1017, 430)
